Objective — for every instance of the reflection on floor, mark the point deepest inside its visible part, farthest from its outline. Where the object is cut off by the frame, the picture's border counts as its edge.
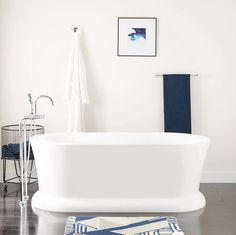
(216, 219)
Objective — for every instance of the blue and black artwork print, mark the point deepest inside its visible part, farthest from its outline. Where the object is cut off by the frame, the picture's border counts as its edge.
(137, 34)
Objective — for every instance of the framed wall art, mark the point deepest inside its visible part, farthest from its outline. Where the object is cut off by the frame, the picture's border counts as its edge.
(137, 36)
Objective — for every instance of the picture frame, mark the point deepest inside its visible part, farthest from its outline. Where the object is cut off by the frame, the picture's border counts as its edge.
(137, 36)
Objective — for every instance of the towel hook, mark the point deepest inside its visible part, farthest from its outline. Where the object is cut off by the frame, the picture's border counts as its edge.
(75, 29)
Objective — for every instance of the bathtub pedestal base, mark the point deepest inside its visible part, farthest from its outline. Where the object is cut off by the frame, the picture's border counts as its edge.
(60, 204)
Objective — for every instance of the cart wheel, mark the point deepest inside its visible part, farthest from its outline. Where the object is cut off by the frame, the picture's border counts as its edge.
(5, 188)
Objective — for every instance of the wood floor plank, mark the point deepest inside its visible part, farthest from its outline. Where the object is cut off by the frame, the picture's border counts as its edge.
(217, 218)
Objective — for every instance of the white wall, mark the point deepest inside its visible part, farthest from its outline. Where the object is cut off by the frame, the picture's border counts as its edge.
(195, 36)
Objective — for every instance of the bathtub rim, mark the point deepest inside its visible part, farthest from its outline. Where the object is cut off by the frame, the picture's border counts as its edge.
(44, 138)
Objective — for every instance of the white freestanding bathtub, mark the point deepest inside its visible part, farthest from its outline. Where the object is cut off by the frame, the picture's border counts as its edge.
(119, 172)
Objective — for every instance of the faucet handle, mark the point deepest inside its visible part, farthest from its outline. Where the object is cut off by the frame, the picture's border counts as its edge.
(31, 103)
(30, 98)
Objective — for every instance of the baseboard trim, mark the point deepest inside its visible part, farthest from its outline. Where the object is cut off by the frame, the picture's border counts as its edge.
(218, 177)
(11, 171)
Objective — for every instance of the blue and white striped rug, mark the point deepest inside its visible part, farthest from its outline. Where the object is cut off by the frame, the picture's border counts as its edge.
(166, 225)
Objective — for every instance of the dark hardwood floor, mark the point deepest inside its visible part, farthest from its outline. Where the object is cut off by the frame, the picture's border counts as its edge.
(217, 218)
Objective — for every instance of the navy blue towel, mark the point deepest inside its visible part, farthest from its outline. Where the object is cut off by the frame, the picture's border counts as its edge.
(177, 103)
(12, 151)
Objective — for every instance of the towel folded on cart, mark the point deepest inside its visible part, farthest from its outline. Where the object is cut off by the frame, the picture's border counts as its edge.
(12, 151)
(122, 225)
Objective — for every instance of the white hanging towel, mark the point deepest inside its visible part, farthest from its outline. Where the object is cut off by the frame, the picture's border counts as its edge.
(76, 87)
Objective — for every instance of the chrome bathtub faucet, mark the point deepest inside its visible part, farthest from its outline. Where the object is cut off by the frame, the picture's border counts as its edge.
(33, 105)
(41, 96)
(28, 122)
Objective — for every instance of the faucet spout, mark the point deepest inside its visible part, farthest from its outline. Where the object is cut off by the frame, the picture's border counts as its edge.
(41, 96)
